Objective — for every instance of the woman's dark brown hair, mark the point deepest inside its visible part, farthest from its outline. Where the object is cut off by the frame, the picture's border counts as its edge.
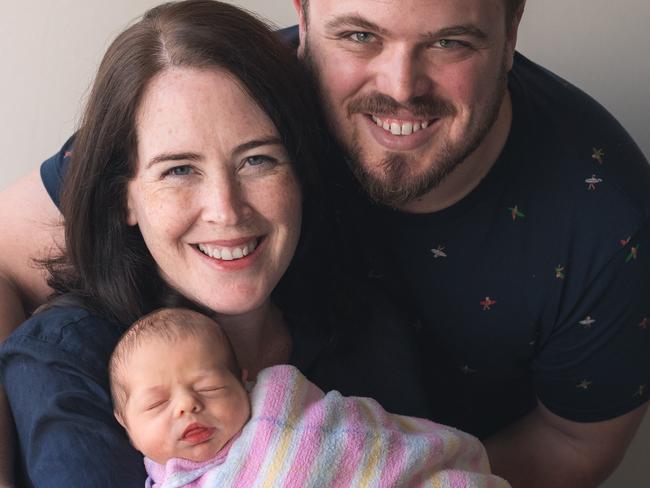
(106, 264)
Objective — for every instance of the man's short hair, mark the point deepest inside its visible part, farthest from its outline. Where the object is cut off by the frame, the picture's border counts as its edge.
(167, 324)
(512, 6)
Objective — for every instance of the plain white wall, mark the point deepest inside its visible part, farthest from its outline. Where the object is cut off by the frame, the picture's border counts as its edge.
(49, 50)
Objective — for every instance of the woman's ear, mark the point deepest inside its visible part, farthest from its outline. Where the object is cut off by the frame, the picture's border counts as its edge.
(131, 218)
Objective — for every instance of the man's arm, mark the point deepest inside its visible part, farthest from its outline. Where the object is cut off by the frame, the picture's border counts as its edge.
(544, 450)
(30, 229)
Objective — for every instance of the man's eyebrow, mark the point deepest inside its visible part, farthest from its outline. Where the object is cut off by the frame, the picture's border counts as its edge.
(192, 156)
(355, 22)
(457, 30)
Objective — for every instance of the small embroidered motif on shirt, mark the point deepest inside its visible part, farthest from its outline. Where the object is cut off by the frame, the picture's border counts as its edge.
(598, 155)
(560, 272)
(592, 182)
(439, 252)
(584, 385)
(516, 213)
(587, 322)
(467, 370)
(487, 303)
(634, 252)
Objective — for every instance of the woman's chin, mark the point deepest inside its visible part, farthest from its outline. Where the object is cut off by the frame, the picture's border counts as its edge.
(235, 305)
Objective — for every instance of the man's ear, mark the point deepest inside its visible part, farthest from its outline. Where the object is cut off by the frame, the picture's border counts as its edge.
(513, 30)
(302, 25)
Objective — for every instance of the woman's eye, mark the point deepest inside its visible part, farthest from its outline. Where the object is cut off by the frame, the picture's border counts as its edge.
(259, 160)
(179, 171)
(361, 37)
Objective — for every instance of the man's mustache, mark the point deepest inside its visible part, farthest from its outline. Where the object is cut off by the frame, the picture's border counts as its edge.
(426, 106)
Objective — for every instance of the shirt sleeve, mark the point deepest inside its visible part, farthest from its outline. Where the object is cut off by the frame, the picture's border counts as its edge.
(596, 363)
(53, 170)
(63, 414)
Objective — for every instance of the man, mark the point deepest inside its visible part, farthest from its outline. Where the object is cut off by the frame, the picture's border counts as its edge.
(512, 219)
(505, 223)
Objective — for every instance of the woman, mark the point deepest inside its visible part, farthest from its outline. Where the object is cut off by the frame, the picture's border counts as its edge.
(192, 169)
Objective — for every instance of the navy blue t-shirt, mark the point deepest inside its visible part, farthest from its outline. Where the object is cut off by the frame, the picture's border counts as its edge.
(537, 284)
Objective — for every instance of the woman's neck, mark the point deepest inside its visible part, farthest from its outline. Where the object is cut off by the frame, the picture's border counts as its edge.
(260, 337)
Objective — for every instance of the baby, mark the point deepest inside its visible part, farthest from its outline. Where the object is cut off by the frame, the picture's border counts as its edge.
(177, 388)
(179, 393)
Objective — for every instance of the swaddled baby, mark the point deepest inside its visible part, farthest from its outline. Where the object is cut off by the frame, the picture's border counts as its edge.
(181, 396)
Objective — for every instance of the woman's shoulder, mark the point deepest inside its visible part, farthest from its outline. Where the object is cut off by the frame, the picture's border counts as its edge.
(68, 331)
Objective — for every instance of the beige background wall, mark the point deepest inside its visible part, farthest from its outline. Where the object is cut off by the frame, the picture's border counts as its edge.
(49, 50)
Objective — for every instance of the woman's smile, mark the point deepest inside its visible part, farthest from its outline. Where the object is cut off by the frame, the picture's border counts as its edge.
(214, 194)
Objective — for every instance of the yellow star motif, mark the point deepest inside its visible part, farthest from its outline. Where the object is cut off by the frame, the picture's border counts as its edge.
(598, 155)
(584, 385)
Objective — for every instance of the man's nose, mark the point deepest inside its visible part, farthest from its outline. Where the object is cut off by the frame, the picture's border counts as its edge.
(224, 201)
(401, 74)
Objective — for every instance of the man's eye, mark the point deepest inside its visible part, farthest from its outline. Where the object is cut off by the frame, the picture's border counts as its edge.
(179, 170)
(361, 37)
(448, 43)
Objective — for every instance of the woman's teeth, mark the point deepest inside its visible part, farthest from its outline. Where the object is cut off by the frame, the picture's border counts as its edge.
(401, 129)
(228, 253)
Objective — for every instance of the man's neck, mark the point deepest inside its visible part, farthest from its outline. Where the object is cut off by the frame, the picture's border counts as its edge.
(467, 176)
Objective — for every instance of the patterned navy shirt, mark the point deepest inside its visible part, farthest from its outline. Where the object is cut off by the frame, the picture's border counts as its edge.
(537, 284)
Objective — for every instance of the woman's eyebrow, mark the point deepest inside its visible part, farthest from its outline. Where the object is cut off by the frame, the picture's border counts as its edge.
(163, 157)
(247, 146)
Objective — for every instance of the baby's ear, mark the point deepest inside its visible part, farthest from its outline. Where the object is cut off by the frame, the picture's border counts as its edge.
(119, 418)
(244, 375)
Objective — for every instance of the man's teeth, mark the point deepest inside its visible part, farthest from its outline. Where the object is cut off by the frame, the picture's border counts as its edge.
(403, 129)
(228, 253)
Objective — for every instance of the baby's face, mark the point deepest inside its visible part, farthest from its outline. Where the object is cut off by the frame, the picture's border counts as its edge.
(183, 401)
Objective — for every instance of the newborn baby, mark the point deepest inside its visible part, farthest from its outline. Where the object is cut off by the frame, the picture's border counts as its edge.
(181, 396)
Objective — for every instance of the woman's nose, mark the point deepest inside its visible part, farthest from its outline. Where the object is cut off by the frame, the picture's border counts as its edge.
(224, 202)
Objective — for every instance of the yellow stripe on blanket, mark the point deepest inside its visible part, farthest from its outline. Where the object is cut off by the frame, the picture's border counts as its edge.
(370, 470)
(279, 463)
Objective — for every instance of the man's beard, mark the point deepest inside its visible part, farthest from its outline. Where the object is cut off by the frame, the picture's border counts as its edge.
(390, 183)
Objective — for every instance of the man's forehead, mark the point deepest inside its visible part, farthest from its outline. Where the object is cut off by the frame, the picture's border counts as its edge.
(421, 15)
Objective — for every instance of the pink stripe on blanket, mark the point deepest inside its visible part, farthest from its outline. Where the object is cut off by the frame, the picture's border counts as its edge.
(275, 404)
(356, 430)
(312, 434)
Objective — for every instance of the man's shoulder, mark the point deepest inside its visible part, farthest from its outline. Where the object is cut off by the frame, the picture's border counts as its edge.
(571, 142)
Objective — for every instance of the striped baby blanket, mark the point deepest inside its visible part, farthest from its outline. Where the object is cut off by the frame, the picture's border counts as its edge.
(299, 437)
